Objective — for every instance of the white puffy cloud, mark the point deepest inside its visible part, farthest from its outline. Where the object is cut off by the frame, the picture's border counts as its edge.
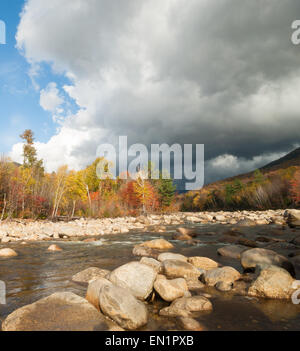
(223, 74)
(50, 100)
(61, 149)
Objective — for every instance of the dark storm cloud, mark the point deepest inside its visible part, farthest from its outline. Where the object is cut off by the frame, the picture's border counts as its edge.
(220, 73)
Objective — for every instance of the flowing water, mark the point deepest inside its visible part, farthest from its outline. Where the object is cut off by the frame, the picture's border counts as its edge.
(36, 273)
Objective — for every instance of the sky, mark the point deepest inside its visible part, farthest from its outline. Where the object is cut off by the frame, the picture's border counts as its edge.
(80, 73)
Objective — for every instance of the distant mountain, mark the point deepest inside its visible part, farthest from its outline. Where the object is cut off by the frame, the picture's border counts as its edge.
(291, 159)
(270, 186)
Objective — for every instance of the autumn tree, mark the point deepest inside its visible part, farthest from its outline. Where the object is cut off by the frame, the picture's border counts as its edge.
(60, 188)
(75, 190)
(143, 189)
(29, 152)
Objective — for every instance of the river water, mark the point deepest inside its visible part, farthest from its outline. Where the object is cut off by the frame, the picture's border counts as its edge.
(36, 273)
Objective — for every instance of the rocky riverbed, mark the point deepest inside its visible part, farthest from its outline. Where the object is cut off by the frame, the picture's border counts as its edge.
(29, 230)
(200, 271)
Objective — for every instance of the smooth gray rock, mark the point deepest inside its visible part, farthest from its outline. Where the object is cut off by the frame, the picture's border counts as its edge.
(226, 275)
(179, 269)
(232, 251)
(170, 290)
(186, 305)
(136, 277)
(122, 307)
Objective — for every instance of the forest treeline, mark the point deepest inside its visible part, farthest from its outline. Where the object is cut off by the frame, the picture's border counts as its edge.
(276, 189)
(27, 191)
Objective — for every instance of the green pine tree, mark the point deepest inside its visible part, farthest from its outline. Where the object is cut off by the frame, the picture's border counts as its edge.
(166, 191)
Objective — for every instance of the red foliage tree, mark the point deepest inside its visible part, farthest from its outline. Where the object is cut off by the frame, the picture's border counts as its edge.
(129, 196)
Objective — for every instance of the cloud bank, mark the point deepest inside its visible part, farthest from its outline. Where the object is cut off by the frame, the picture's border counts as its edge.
(220, 73)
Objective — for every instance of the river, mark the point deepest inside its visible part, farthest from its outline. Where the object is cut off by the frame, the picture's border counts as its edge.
(36, 273)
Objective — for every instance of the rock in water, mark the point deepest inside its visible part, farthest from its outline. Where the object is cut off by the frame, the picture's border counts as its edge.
(171, 256)
(232, 251)
(246, 242)
(187, 232)
(190, 324)
(89, 274)
(185, 305)
(246, 223)
(8, 253)
(140, 250)
(122, 307)
(179, 269)
(136, 277)
(203, 262)
(59, 312)
(170, 290)
(250, 258)
(54, 248)
(273, 282)
(158, 244)
(225, 275)
(181, 237)
(224, 286)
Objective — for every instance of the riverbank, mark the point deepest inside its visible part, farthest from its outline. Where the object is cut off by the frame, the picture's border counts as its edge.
(28, 230)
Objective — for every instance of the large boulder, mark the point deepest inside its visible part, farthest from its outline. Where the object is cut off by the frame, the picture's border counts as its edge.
(88, 274)
(63, 311)
(8, 253)
(158, 244)
(232, 251)
(93, 290)
(203, 262)
(186, 305)
(224, 275)
(171, 256)
(179, 269)
(273, 282)
(122, 307)
(136, 277)
(170, 290)
(253, 257)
